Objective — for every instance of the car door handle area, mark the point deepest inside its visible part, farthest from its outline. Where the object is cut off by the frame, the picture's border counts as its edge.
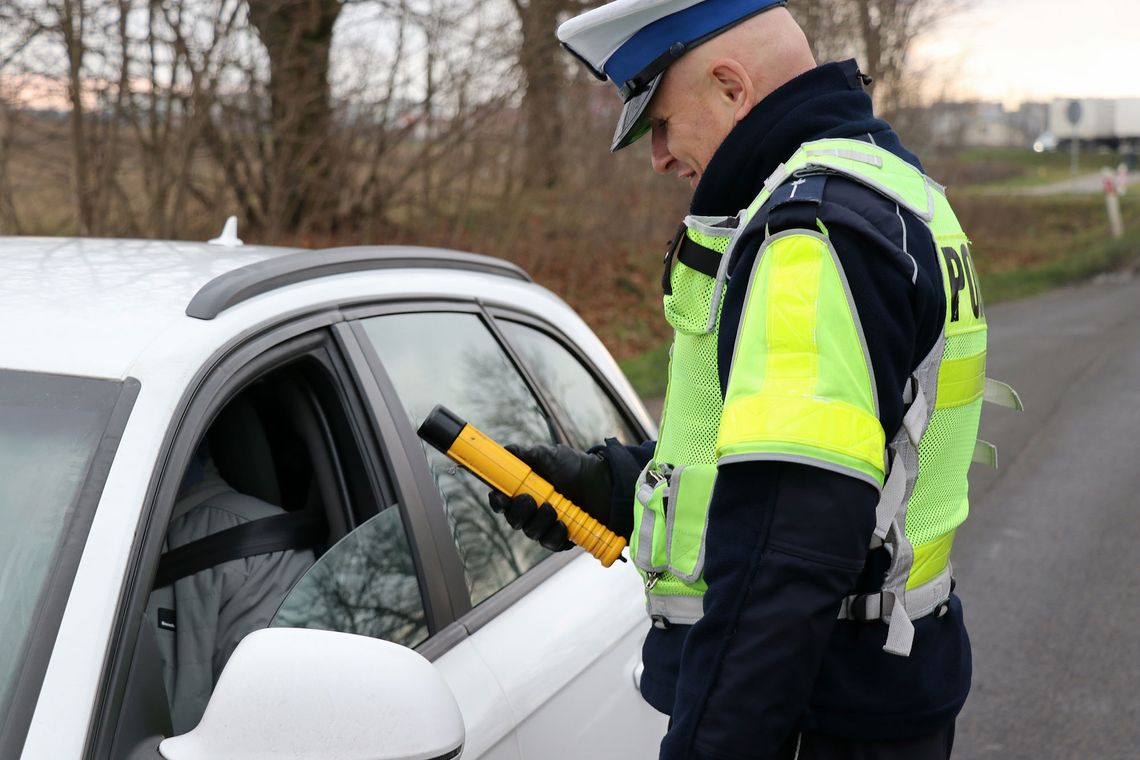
(638, 669)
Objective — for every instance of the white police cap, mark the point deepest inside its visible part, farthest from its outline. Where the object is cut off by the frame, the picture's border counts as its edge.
(632, 42)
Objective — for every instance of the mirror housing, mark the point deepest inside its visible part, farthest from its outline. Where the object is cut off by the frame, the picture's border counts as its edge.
(303, 693)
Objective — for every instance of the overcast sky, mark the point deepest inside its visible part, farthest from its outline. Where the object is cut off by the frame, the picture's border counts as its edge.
(1014, 50)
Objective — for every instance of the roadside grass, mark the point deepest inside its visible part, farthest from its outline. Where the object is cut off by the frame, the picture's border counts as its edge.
(647, 371)
(985, 170)
(1096, 257)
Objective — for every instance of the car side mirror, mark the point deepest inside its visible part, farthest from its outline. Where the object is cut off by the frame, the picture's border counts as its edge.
(294, 692)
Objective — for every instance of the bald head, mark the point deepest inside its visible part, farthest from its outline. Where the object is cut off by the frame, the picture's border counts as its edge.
(770, 47)
(711, 88)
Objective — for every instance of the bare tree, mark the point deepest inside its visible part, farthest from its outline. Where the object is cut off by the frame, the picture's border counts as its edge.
(884, 33)
(543, 75)
(297, 35)
(9, 220)
(828, 24)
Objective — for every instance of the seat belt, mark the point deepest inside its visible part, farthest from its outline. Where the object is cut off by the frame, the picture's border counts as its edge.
(290, 531)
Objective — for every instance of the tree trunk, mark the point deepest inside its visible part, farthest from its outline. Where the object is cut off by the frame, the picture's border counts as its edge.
(543, 75)
(297, 35)
(72, 16)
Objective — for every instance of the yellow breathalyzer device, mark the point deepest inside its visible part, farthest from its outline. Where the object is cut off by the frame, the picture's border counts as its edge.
(503, 471)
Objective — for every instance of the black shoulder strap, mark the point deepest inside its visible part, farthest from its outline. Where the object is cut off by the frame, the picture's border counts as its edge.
(794, 204)
(292, 530)
(691, 254)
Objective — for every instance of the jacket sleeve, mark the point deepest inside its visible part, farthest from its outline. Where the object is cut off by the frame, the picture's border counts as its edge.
(793, 509)
(786, 542)
(625, 463)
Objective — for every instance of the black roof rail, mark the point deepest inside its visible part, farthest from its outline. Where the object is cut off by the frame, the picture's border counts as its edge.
(241, 284)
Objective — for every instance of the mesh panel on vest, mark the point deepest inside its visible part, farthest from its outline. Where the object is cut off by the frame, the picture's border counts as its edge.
(695, 403)
(963, 345)
(940, 501)
(943, 459)
(687, 309)
(718, 243)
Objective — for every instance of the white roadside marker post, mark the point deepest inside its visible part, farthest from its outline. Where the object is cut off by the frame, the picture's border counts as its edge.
(1112, 201)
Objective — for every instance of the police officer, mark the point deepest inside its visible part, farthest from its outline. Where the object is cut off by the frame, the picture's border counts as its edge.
(794, 520)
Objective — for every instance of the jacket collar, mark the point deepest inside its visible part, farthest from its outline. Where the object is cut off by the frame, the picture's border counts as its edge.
(826, 102)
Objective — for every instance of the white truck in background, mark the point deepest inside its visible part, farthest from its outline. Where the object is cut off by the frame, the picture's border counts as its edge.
(1110, 123)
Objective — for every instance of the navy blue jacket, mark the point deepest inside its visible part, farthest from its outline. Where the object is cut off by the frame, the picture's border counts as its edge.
(787, 542)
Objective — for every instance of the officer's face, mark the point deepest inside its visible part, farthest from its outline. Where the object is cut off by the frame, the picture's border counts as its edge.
(689, 117)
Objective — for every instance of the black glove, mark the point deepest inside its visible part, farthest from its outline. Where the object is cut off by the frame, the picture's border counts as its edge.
(582, 478)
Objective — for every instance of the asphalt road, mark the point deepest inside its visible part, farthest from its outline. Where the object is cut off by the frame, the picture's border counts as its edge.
(1047, 564)
(1086, 184)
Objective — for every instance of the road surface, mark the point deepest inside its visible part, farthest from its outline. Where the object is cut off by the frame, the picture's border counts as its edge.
(1048, 565)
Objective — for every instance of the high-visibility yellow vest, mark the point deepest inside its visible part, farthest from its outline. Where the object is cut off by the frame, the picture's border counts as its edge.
(801, 389)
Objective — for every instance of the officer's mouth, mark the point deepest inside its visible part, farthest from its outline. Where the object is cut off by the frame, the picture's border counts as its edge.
(690, 175)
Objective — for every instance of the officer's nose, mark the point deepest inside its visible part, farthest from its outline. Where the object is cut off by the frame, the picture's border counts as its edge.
(661, 158)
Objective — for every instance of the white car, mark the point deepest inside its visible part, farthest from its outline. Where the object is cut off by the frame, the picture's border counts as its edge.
(307, 372)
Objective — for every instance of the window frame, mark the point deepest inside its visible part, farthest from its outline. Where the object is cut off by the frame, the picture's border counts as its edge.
(28, 679)
(469, 618)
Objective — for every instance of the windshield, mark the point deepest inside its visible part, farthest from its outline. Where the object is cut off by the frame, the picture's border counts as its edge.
(50, 428)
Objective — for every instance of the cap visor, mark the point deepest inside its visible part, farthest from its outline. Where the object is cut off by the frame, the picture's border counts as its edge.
(633, 124)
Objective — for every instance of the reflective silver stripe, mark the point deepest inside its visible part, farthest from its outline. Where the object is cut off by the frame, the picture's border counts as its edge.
(671, 488)
(713, 226)
(822, 164)
(776, 178)
(819, 464)
(900, 634)
(920, 601)
(917, 417)
(645, 488)
(851, 155)
(722, 272)
(997, 392)
(678, 610)
(892, 497)
(985, 453)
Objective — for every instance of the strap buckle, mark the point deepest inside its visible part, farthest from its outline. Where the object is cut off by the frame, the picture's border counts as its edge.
(865, 608)
(674, 246)
(660, 622)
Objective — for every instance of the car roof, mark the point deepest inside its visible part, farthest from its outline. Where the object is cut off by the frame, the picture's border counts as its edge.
(74, 294)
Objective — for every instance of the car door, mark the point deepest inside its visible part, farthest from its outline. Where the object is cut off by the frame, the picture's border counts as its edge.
(561, 634)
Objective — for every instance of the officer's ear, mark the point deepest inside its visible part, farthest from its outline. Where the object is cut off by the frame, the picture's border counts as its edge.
(733, 85)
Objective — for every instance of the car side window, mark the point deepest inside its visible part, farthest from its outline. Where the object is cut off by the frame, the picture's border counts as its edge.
(453, 359)
(587, 412)
(281, 465)
(366, 584)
